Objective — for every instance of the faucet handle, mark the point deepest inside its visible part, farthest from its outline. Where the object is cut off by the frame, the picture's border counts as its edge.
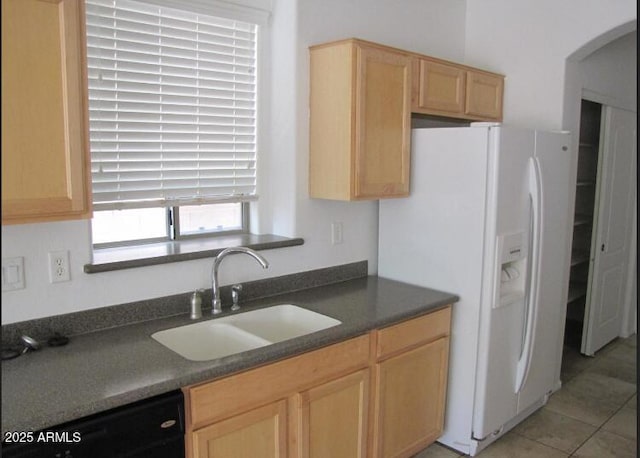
(30, 344)
(235, 296)
(196, 304)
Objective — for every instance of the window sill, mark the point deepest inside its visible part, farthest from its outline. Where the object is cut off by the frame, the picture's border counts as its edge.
(108, 259)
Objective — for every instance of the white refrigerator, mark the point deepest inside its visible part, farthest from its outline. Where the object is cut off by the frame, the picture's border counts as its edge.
(488, 219)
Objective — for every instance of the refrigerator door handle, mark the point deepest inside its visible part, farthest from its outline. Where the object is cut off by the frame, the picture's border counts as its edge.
(535, 193)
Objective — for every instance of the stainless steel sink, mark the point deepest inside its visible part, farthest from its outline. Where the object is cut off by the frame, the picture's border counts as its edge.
(233, 334)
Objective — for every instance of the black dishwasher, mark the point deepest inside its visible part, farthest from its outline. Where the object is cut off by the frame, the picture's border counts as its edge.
(153, 427)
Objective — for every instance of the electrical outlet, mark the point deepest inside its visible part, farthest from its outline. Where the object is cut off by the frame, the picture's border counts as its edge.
(59, 266)
(336, 233)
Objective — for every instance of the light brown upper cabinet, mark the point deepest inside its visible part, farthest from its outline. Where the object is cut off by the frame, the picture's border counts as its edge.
(362, 95)
(45, 147)
(445, 89)
(484, 95)
(438, 88)
(360, 121)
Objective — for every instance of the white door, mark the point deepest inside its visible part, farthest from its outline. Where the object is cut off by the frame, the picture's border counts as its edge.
(605, 299)
(552, 151)
(508, 246)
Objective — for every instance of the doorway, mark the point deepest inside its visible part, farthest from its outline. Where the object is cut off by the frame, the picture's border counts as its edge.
(602, 247)
(583, 222)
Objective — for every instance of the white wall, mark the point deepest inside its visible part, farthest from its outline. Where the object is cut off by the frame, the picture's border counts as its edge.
(529, 41)
(608, 75)
(541, 46)
(434, 27)
(400, 24)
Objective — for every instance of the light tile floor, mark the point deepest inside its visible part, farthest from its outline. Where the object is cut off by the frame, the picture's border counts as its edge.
(594, 414)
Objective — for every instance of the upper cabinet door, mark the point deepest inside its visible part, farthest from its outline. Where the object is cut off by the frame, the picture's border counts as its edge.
(383, 123)
(447, 89)
(45, 153)
(484, 95)
(360, 121)
(440, 88)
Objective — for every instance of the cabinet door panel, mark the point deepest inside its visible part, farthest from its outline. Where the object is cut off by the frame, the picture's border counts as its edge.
(484, 95)
(410, 399)
(440, 88)
(333, 418)
(44, 122)
(259, 433)
(383, 123)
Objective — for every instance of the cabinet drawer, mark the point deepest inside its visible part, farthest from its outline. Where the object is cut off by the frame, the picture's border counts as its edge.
(213, 401)
(413, 332)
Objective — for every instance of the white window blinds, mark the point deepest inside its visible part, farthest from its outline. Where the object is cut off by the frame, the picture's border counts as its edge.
(172, 106)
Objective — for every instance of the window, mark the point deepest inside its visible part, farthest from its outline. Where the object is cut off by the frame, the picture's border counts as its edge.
(172, 109)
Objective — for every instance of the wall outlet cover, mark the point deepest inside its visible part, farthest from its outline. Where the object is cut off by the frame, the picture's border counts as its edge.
(59, 266)
(12, 274)
(336, 233)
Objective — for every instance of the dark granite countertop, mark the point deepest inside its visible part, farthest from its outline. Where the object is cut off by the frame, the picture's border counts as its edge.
(100, 370)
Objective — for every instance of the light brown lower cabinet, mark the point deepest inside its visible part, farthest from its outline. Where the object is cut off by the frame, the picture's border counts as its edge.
(258, 433)
(410, 380)
(410, 413)
(380, 394)
(333, 418)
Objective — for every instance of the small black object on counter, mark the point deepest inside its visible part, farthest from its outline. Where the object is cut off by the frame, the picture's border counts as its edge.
(57, 340)
(30, 344)
(10, 353)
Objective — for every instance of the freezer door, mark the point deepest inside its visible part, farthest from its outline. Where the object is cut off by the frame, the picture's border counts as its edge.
(506, 280)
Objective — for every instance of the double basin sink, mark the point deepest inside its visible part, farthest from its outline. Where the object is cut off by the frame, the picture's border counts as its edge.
(220, 337)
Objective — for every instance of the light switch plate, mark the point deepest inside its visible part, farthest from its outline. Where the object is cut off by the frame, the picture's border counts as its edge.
(12, 273)
(336, 233)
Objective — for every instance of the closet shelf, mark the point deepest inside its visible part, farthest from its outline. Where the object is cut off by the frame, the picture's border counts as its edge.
(576, 291)
(579, 257)
(581, 219)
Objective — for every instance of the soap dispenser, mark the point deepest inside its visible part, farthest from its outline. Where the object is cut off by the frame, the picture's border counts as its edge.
(196, 304)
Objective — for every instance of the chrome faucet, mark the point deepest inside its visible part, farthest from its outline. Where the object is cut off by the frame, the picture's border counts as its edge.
(215, 288)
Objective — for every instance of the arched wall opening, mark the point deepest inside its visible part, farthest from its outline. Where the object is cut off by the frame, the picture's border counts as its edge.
(604, 70)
